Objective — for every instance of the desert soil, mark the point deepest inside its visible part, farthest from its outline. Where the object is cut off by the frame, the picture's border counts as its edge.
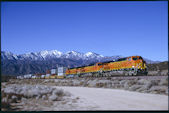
(115, 99)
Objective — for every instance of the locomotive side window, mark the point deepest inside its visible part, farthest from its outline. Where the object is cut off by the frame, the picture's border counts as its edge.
(99, 64)
(135, 58)
(129, 59)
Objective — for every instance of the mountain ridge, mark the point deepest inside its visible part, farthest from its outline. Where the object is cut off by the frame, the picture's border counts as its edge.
(40, 62)
(47, 54)
(53, 53)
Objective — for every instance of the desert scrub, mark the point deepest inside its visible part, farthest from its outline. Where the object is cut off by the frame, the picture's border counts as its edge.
(31, 91)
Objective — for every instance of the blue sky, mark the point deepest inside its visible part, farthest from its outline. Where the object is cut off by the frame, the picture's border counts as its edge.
(107, 28)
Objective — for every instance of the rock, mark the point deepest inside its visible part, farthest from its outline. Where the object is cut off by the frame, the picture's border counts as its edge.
(166, 91)
(28, 94)
(77, 98)
(164, 72)
(163, 82)
(109, 85)
(147, 85)
(92, 83)
(122, 82)
(115, 82)
(53, 98)
(76, 83)
(117, 86)
(99, 84)
(140, 89)
(54, 92)
(23, 99)
(37, 97)
(58, 92)
(154, 82)
(153, 72)
(142, 82)
(134, 87)
(10, 100)
(126, 86)
(158, 89)
(4, 100)
(44, 97)
(66, 93)
(144, 91)
(14, 98)
(9, 90)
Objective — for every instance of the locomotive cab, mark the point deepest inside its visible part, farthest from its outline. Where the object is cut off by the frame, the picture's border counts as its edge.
(99, 64)
(139, 64)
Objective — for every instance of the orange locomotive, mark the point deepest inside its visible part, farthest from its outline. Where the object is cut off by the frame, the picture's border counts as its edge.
(133, 65)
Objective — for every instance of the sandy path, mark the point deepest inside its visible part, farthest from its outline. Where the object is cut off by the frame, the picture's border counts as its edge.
(114, 99)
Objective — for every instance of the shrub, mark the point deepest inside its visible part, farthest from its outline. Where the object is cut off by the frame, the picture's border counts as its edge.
(164, 82)
(134, 87)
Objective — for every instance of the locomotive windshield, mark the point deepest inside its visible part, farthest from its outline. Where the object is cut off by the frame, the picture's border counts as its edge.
(135, 58)
(140, 58)
(99, 64)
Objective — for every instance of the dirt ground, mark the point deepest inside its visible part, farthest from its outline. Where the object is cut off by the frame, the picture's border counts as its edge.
(43, 95)
(114, 99)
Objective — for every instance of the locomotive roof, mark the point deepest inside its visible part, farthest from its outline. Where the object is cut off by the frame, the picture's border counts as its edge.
(108, 61)
(83, 66)
(120, 59)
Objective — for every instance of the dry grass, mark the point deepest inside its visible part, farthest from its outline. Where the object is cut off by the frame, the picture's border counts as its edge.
(7, 100)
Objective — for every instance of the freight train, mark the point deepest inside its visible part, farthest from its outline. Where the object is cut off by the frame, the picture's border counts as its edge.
(133, 65)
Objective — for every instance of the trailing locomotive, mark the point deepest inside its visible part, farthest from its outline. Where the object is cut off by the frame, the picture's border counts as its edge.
(133, 65)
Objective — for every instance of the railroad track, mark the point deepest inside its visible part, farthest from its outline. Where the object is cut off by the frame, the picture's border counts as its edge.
(140, 77)
(125, 77)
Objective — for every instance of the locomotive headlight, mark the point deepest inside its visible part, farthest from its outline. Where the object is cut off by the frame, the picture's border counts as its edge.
(133, 66)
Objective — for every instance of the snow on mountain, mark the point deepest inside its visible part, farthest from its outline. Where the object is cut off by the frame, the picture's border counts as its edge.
(30, 56)
(52, 53)
(40, 55)
(88, 54)
(93, 55)
(44, 55)
(73, 54)
(8, 55)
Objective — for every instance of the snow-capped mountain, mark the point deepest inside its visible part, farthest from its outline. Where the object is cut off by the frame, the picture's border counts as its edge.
(8, 55)
(43, 55)
(46, 55)
(39, 62)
